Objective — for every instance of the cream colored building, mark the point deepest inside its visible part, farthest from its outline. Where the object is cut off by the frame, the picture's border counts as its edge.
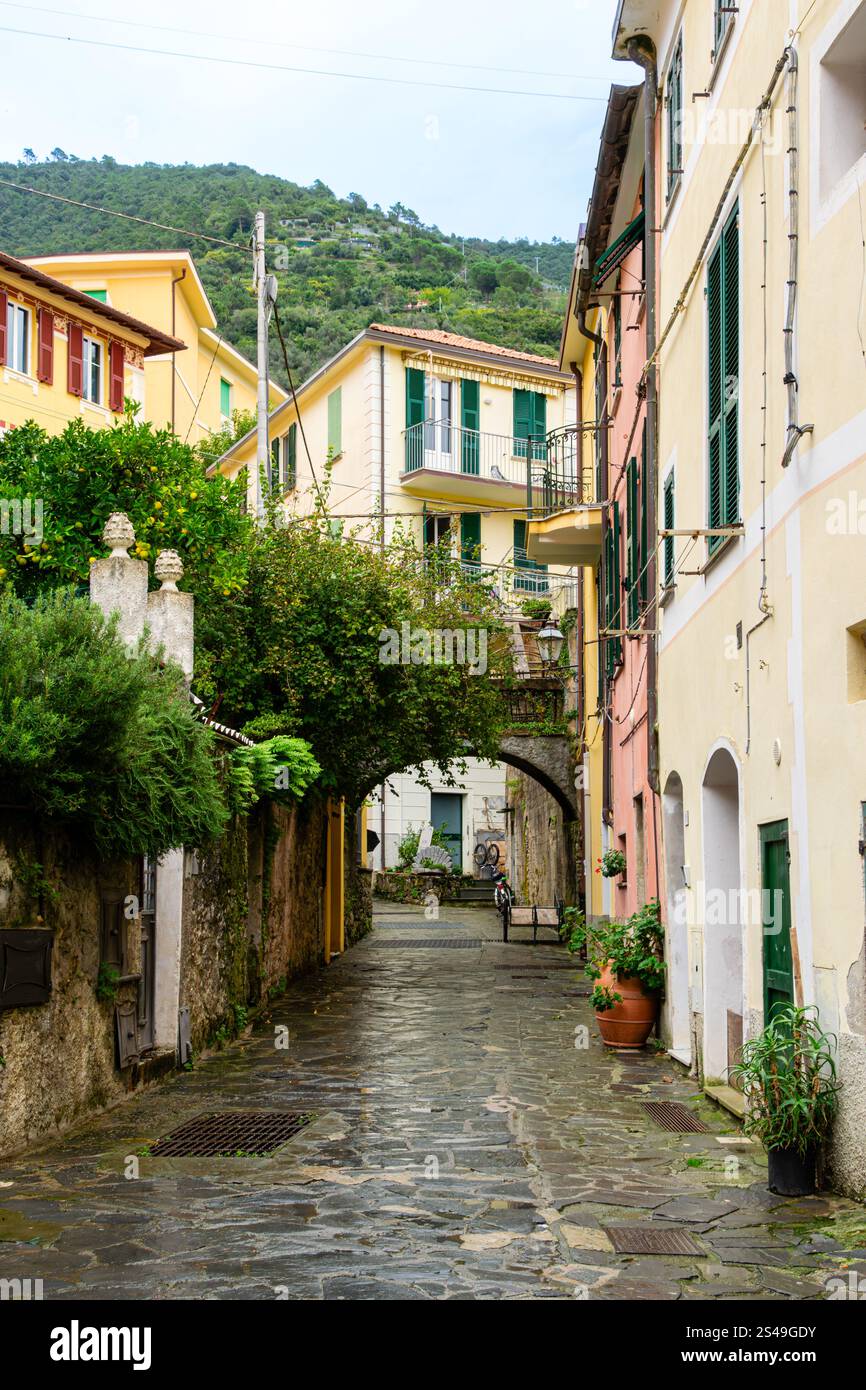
(428, 431)
(762, 661)
(196, 393)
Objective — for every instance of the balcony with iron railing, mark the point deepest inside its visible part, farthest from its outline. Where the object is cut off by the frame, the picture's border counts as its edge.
(562, 500)
(458, 464)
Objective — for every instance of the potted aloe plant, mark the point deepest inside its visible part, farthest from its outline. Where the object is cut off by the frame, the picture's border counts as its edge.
(624, 962)
(788, 1076)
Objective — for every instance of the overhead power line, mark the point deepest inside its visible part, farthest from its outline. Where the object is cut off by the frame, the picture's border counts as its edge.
(127, 216)
(304, 72)
(301, 47)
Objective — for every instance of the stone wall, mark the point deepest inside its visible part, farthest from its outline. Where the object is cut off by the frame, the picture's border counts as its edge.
(58, 1058)
(542, 845)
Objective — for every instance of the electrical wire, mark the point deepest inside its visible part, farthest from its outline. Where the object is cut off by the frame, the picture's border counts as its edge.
(127, 216)
(203, 389)
(322, 502)
(299, 47)
(304, 72)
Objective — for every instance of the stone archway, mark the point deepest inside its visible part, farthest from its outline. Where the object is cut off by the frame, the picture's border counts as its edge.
(673, 821)
(722, 915)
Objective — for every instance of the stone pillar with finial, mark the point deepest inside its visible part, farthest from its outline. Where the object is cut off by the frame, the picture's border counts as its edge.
(170, 613)
(118, 584)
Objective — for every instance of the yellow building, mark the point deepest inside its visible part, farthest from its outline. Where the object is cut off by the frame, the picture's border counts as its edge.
(64, 356)
(195, 394)
(435, 434)
(762, 476)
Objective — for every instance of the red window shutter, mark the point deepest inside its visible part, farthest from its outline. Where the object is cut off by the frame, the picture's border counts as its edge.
(45, 363)
(115, 366)
(3, 302)
(75, 364)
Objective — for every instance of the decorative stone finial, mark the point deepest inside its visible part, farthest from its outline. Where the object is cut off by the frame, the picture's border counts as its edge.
(168, 568)
(119, 534)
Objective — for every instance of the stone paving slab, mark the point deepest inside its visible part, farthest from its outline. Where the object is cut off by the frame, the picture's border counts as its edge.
(464, 1148)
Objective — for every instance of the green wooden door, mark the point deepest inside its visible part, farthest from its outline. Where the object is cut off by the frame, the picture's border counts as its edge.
(415, 388)
(776, 914)
(470, 420)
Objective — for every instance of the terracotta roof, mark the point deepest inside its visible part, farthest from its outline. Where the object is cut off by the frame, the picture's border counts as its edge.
(456, 340)
(157, 341)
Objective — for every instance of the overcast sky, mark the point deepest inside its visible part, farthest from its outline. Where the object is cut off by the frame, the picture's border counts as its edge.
(477, 163)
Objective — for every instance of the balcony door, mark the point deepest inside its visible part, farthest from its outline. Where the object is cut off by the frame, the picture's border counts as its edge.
(440, 436)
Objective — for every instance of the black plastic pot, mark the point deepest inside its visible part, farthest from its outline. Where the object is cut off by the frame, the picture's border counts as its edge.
(790, 1175)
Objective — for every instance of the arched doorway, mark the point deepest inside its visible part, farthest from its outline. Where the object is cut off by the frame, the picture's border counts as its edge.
(722, 915)
(673, 819)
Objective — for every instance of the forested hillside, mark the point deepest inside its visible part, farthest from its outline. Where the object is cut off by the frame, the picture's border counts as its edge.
(341, 263)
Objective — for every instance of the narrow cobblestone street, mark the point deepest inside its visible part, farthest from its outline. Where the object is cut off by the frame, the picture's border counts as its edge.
(464, 1148)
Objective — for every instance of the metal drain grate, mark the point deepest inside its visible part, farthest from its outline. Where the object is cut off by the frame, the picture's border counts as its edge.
(646, 1240)
(232, 1133)
(471, 943)
(675, 1117)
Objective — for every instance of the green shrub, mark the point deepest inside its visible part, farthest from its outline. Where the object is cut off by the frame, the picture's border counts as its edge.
(788, 1075)
(99, 741)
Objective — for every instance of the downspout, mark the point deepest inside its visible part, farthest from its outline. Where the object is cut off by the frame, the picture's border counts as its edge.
(795, 430)
(382, 520)
(642, 51)
(588, 332)
(174, 282)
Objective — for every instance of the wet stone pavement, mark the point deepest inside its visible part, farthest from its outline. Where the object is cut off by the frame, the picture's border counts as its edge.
(463, 1148)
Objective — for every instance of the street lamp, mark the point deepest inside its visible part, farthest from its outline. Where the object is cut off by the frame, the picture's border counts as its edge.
(549, 641)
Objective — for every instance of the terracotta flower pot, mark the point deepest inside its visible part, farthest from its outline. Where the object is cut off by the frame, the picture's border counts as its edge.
(629, 1023)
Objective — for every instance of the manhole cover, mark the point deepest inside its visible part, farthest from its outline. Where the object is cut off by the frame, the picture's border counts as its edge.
(645, 1240)
(677, 1118)
(232, 1133)
(471, 943)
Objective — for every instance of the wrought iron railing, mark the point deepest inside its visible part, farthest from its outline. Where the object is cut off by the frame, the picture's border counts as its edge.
(497, 458)
(561, 479)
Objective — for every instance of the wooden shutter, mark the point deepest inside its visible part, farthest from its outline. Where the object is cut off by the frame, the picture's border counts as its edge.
(115, 376)
(290, 456)
(731, 383)
(75, 359)
(669, 523)
(45, 348)
(539, 425)
(415, 394)
(723, 366)
(643, 551)
(335, 422)
(613, 591)
(633, 556)
(4, 309)
(470, 538)
(470, 424)
(522, 410)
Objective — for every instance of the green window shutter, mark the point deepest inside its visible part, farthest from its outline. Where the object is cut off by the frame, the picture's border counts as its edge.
(290, 456)
(335, 422)
(675, 117)
(415, 387)
(539, 425)
(524, 410)
(617, 584)
(731, 399)
(274, 464)
(470, 424)
(534, 580)
(723, 365)
(470, 538)
(225, 398)
(633, 556)
(643, 553)
(100, 295)
(669, 523)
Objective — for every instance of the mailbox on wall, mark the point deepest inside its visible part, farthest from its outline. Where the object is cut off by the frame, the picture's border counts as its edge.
(25, 967)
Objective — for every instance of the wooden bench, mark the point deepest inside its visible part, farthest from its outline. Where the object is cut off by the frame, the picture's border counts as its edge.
(533, 916)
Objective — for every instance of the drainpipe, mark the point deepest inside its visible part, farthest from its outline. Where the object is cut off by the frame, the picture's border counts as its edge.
(795, 430)
(174, 282)
(586, 331)
(382, 538)
(642, 51)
